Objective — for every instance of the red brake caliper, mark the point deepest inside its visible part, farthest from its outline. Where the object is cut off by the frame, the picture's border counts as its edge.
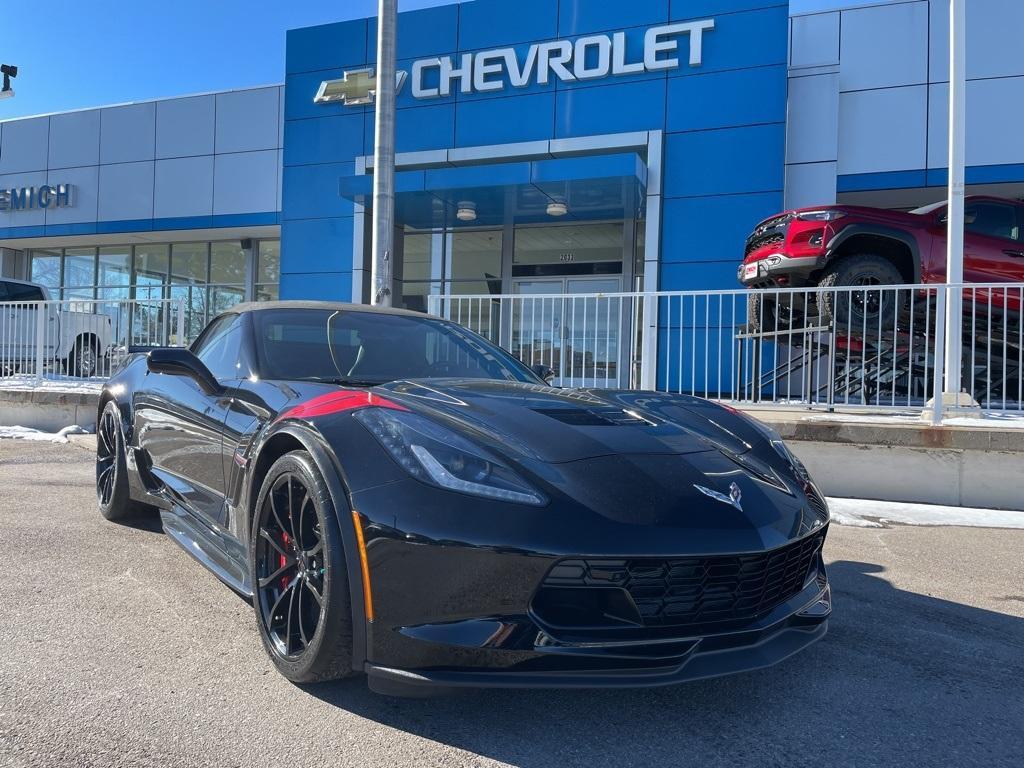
(282, 560)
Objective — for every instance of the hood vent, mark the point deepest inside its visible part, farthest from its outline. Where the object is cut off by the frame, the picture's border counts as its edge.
(594, 417)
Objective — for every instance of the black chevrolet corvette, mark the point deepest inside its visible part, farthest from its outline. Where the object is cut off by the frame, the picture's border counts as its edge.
(400, 497)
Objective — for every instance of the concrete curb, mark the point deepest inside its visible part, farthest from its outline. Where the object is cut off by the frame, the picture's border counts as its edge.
(48, 410)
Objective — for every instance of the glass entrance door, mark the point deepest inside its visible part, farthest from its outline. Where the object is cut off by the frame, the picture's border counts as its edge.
(572, 326)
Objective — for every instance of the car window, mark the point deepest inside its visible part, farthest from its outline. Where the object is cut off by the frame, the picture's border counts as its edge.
(20, 292)
(375, 348)
(220, 348)
(992, 219)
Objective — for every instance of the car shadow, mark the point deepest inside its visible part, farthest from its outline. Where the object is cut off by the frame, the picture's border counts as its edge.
(901, 679)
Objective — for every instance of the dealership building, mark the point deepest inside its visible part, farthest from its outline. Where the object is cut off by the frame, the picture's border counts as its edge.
(544, 147)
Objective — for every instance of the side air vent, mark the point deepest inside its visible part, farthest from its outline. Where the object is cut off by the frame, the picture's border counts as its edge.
(594, 417)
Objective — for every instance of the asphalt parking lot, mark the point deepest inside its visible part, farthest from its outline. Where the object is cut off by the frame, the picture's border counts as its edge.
(118, 649)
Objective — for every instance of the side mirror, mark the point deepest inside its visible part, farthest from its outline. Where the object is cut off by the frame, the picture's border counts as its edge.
(175, 361)
(545, 372)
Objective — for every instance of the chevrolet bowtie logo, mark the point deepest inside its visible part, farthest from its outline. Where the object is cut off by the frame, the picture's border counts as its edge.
(356, 87)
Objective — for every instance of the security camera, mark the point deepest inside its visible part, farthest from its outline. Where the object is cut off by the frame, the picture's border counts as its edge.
(8, 71)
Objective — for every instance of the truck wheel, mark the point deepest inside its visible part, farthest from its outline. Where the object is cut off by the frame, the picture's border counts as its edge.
(83, 361)
(761, 312)
(859, 308)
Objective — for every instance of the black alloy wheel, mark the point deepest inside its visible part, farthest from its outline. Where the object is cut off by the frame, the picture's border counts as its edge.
(107, 447)
(299, 582)
(112, 492)
(290, 566)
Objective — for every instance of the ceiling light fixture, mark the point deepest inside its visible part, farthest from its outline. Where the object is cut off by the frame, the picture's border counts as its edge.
(557, 209)
(467, 211)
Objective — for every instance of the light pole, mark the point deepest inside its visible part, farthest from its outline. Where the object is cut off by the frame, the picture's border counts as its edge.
(955, 210)
(384, 157)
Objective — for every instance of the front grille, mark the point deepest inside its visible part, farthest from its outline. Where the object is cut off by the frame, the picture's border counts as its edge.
(772, 238)
(770, 232)
(698, 591)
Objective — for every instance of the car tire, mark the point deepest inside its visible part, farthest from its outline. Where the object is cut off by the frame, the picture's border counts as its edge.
(298, 574)
(112, 492)
(852, 309)
(760, 312)
(83, 362)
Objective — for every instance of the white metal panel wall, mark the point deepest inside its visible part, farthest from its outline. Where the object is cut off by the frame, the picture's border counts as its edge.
(884, 46)
(24, 145)
(812, 130)
(193, 156)
(995, 32)
(185, 127)
(995, 114)
(184, 187)
(247, 120)
(883, 130)
(126, 191)
(74, 139)
(128, 133)
(22, 218)
(810, 184)
(86, 181)
(245, 181)
(814, 40)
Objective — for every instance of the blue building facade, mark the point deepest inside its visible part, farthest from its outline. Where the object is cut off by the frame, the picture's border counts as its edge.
(631, 144)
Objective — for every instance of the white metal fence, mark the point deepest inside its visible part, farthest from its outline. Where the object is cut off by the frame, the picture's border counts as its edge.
(840, 347)
(78, 340)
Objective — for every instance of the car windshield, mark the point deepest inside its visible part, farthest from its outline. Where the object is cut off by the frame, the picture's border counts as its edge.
(925, 210)
(366, 348)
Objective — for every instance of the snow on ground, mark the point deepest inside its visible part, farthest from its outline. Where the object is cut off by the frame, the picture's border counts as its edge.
(1005, 420)
(50, 383)
(865, 513)
(24, 433)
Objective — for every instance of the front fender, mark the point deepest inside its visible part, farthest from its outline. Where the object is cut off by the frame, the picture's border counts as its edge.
(326, 461)
(877, 230)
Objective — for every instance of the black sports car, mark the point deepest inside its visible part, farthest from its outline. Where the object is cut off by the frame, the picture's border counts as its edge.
(401, 497)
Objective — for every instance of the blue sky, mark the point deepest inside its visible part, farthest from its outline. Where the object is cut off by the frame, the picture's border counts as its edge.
(74, 54)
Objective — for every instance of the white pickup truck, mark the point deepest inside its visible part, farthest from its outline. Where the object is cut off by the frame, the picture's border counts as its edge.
(76, 341)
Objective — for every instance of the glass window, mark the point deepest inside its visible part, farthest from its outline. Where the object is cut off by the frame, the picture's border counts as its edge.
(220, 348)
(151, 267)
(476, 255)
(416, 256)
(224, 297)
(568, 244)
(46, 268)
(991, 219)
(114, 272)
(22, 292)
(370, 347)
(414, 295)
(227, 263)
(268, 268)
(79, 272)
(189, 263)
(189, 269)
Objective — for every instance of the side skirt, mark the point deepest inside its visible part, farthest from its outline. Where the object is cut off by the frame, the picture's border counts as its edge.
(215, 551)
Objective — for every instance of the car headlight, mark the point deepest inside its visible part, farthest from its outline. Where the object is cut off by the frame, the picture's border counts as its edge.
(820, 215)
(437, 455)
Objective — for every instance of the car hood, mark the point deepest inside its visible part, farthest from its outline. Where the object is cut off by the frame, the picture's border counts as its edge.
(652, 461)
(560, 425)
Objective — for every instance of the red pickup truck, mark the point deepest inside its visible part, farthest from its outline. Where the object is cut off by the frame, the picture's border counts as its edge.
(843, 245)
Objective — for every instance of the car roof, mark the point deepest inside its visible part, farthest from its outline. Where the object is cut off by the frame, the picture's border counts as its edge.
(330, 306)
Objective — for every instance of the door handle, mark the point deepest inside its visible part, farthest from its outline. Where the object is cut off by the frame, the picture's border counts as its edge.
(1011, 252)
